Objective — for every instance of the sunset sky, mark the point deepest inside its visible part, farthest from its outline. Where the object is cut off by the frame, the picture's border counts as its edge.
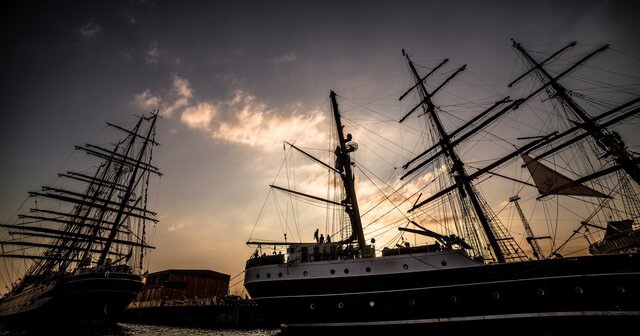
(233, 80)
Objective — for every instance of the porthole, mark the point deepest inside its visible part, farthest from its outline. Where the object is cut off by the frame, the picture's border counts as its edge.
(579, 290)
(332, 271)
(412, 302)
(495, 295)
(268, 275)
(620, 289)
(280, 275)
(346, 271)
(372, 303)
(305, 273)
(312, 306)
(340, 305)
(443, 263)
(453, 298)
(540, 291)
(258, 276)
(368, 269)
(405, 267)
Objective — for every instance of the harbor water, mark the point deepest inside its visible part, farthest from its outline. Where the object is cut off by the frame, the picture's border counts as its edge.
(127, 329)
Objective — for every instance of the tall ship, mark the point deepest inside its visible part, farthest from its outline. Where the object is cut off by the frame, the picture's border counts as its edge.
(464, 211)
(77, 253)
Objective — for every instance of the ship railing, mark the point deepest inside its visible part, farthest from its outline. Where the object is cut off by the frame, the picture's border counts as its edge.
(170, 303)
(264, 259)
(336, 251)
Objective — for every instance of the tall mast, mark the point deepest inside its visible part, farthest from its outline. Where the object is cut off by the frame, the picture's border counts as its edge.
(127, 195)
(609, 142)
(457, 170)
(343, 165)
(88, 220)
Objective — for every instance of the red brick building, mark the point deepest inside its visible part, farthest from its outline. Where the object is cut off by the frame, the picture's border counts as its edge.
(180, 287)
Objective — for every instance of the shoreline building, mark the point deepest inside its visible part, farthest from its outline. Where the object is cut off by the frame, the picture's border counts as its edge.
(183, 287)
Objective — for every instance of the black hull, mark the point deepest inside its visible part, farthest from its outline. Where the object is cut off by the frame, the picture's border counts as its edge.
(84, 297)
(548, 326)
(583, 291)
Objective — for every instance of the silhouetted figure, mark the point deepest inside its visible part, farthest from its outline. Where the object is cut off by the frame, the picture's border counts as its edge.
(321, 238)
(315, 235)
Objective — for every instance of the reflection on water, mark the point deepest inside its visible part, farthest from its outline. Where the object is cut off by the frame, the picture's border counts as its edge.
(126, 329)
(129, 329)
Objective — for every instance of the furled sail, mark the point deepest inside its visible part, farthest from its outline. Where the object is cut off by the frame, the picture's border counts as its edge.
(550, 182)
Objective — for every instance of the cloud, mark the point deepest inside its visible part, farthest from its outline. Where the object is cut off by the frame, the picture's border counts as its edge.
(240, 118)
(181, 87)
(177, 104)
(290, 57)
(90, 30)
(175, 227)
(178, 98)
(153, 55)
(146, 101)
(199, 116)
(247, 121)
(129, 17)
(181, 95)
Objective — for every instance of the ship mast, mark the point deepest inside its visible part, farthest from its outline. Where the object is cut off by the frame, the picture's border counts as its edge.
(129, 191)
(458, 171)
(343, 165)
(91, 222)
(609, 142)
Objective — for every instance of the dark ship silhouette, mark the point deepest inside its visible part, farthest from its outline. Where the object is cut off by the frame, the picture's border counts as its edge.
(473, 272)
(84, 254)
